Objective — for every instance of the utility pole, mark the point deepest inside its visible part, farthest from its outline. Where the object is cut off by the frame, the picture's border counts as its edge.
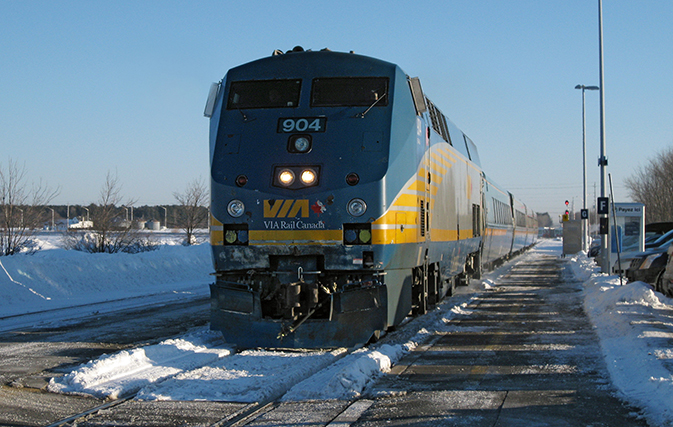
(603, 160)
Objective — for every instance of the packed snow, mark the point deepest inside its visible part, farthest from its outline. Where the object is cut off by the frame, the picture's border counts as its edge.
(634, 324)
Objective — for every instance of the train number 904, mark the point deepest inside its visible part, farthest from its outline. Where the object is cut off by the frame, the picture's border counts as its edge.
(303, 124)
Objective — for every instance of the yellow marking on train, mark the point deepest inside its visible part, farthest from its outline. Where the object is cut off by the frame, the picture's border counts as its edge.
(214, 221)
(446, 153)
(447, 164)
(287, 204)
(216, 232)
(417, 186)
(286, 208)
(439, 235)
(410, 200)
(309, 237)
(299, 205)
(496, 231)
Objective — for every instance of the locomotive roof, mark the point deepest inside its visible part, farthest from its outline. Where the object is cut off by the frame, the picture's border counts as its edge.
(323, 62)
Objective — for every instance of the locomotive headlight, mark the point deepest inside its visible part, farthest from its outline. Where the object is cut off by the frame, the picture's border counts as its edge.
(308, 177)
(286, 177)
(235, 208)
(357, 207)
(301, 144)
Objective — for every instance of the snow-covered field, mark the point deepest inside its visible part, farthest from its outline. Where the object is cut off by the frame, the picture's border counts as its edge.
(634, 323)
(54, 278)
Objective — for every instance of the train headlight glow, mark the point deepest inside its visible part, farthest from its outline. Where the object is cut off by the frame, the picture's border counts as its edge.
(286, 177)
(236, 208)
(308, 177)
(357, 207)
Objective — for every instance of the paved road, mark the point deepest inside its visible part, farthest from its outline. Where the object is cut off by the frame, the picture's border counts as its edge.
(524, 355)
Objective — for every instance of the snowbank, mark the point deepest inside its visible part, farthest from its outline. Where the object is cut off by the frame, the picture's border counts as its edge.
(57, 278)
(117, 375)
(635, 327)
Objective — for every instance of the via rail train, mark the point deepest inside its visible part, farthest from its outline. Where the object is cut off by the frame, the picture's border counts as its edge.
(342, 201)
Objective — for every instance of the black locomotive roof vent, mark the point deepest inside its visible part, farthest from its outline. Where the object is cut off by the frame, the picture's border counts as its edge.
(293, 50)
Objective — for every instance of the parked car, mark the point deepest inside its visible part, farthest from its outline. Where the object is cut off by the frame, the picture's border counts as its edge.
(649, 266)
(657, 228)
(594, 248)
(665, 283)
(660, 241)
(657, 245)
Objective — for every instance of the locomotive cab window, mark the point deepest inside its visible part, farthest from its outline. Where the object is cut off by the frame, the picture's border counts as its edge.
(264, 94)
(349, 92)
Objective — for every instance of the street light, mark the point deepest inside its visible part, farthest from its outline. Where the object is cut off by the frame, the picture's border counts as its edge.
(585, 233)
(603, 160)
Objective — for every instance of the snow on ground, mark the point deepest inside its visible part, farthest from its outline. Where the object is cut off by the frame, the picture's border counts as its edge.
(128, 371)
(634, 323)
(55, 278)
(635, 327)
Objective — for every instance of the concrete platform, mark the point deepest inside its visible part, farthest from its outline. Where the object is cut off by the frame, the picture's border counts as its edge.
(525, 355)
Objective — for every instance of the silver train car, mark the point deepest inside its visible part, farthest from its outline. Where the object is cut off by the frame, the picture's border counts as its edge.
(342, 201)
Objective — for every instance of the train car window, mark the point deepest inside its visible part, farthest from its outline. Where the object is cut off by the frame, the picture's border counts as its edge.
(349, 92)
(264, 94)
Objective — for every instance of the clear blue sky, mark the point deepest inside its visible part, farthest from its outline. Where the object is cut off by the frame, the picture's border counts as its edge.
(88, 87)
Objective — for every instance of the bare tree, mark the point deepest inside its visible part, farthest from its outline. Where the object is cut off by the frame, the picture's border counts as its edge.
(111, 231)
(652, 185)
(23, 207)
(193, 209)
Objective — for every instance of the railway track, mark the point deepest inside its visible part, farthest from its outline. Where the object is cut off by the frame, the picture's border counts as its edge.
(127, 409)
(134, 408)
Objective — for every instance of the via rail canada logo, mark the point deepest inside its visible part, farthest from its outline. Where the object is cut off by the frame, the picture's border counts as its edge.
(286, 214)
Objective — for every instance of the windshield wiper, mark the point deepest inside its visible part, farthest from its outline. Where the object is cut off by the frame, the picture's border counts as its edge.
(362, 115)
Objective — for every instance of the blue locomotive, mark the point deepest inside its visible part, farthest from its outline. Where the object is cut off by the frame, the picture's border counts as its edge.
(342, 201)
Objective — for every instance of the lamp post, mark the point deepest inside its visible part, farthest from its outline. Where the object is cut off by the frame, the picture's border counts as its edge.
(603, 160)
(585, 233)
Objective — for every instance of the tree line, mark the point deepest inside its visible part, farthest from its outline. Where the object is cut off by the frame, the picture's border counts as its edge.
(25, 209)
(652, 185)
